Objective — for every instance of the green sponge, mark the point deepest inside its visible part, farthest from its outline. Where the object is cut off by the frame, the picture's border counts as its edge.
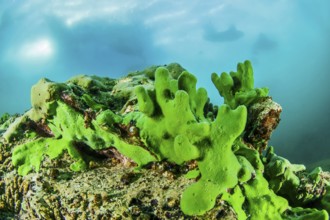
(237, 88)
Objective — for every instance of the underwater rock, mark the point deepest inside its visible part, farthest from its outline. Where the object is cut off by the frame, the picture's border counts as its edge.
(150, 145)
(263, 118)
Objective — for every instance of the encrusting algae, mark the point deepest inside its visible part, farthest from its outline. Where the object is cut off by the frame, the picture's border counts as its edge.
(152, 146)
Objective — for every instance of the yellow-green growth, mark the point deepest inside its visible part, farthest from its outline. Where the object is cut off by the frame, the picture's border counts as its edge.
(325, 202)
(173, 131)
(197, 99)
(43, 98)
(237, 88)
(29, 156)
(236, 199)
(299, 213)
(92, 103)
(90, 83)
(146, 104)
(172, 126)
(246, 171)
(177, 130)
(192, 174)
(106, 119)
(284, 179)
(68, 127)
(262, 202)
(219, 167)
(4, 118)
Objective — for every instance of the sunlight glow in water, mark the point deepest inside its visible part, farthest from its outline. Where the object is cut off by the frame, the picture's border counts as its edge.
(42, 48)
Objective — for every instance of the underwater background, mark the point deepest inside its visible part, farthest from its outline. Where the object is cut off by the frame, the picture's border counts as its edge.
(288, 43)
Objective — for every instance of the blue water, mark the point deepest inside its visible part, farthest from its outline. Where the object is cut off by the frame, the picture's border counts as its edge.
(287, 42)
